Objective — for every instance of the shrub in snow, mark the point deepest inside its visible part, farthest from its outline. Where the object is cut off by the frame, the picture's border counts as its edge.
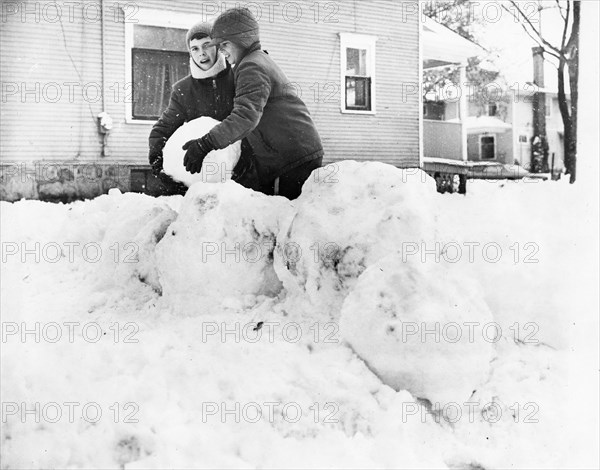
(220, 246)
(420, 328)
(218, 164)
(349, 215)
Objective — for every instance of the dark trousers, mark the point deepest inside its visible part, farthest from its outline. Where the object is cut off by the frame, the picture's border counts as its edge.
(289, 184)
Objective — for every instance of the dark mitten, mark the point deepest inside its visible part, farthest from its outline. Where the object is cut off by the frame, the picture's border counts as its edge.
(196, 151)
(155, 157)
(157, 166)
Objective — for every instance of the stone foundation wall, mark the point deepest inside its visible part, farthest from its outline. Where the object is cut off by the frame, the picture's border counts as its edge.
(70, 181)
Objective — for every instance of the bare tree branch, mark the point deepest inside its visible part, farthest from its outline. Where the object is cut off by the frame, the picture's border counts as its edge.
(564, 35)
(544, 49)
(549, 48)
(560, 10)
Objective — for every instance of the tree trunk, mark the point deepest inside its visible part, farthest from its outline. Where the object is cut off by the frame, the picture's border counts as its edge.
(566, 118)
(573, 64)
(570, 58)
(571, 138)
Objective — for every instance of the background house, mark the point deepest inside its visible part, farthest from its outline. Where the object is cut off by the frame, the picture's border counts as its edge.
(354, 63)
(499, 122)
(502, 131)
(444, 113)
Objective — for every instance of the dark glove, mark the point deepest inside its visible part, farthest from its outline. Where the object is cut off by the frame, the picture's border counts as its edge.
(156, 160)
(196, 152)
(157, 166)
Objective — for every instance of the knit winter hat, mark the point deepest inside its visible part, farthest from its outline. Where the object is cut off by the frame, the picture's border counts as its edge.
(201, 29)
(237, 25)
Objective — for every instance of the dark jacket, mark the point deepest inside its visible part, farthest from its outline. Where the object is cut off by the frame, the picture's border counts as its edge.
(192, 98)
(270, 115)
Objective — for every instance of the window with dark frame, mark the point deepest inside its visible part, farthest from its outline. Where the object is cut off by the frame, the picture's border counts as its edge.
(434, 110)
(159, 59)
(358, 82)
(488, 147)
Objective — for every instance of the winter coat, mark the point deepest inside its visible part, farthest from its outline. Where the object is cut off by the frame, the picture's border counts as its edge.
(269, 114)
(192, 98)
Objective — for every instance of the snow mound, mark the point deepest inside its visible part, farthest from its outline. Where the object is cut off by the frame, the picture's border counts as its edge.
(220, 247)
(218, 164)
(349, 215)
(420, 328)
(110, 240)
(133, 225)
(525, 262)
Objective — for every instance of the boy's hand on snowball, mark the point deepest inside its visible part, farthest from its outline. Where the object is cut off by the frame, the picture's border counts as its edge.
(196, 151)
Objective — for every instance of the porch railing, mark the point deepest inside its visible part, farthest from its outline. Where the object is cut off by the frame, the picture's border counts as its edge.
(442, 139)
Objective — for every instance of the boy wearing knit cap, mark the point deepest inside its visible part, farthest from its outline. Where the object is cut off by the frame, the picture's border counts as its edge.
(208, 91)
(276, 123)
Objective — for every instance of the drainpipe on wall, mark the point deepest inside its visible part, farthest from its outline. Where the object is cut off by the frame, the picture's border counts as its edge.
(105, 122)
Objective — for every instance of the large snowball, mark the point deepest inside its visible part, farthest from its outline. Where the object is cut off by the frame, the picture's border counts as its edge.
(420, 328)
(220, 248)
(349, 215)
(218, 164)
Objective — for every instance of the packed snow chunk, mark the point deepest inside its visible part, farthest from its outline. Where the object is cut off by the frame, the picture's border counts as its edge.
(135, 223)
(421, 329)
(218, 164)
(349, 215)
(220, 247)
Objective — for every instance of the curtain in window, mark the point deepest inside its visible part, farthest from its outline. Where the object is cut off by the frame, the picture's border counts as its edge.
(154, 73)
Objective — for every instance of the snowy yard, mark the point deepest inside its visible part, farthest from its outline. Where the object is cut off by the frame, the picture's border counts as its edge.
(372, 323)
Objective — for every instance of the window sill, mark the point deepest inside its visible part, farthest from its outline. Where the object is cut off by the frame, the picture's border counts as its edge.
(129, 120)
(353, 111)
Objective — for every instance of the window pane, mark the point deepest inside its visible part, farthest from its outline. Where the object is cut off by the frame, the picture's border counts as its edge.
(155, 37)
(356, 62)
(358, 93)
(154, 73)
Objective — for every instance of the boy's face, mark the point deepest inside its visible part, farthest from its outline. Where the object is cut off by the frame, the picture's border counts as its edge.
(204, 56)
(231, 51)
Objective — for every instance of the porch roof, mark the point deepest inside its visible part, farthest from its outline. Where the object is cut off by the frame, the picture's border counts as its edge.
(442, 46)
(479, 124)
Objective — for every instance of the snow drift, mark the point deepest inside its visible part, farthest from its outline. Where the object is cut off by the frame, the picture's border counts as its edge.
(202, 253)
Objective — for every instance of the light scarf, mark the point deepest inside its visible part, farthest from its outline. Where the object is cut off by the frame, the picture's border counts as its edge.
(219, 65)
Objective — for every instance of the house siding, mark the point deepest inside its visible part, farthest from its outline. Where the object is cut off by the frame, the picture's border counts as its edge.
(45, 112)
(38, 127)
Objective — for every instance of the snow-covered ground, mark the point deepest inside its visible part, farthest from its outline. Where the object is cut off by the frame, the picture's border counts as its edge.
(372, 323)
